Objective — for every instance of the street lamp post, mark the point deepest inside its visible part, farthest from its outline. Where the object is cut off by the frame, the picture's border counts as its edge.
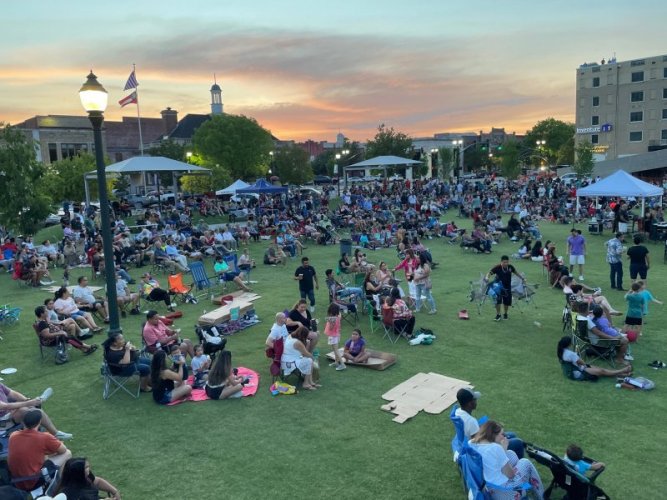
(336, 172)
(459, 145)
(94, 100)
(434, 162)
(540, 147)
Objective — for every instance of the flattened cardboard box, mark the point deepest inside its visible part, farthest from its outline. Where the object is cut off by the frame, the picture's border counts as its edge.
(430, 392)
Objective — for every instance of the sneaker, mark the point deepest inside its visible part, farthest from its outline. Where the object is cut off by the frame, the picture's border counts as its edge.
(504, 316)
(48, 392)
(340, 367)
(173, 304)
(433, 311)
(135, 311)
(44, 283)
(629, 357)
(581, 278)
(63, 435)
(497, 317)
(312, 309)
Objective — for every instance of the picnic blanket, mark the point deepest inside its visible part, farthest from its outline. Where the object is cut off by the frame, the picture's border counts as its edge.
(248, 390)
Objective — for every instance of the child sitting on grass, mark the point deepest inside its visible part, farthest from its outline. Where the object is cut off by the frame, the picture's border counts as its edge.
(355, 348)
(575, 457)
(200, 365)
(332, 331)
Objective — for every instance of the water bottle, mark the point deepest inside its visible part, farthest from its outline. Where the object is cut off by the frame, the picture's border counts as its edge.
(45, 475)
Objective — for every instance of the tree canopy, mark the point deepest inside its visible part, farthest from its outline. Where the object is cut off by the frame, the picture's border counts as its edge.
(290, 164)
(63, 179)
(557, 136)
(23, 208)
(235, 145)
(387, 141)
(584, 163)
(509, 159)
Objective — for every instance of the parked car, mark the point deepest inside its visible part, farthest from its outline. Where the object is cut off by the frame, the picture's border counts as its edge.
(305, 190)
(322, 179)
(356, 179)
(244, 196)
(568, 178)
(165, 196)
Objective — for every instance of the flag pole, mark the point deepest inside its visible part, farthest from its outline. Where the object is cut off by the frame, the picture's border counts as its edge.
(136, 89)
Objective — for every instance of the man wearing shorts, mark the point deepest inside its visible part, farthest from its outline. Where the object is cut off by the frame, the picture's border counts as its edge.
(576, 247)
(503, 274)
(639, 260)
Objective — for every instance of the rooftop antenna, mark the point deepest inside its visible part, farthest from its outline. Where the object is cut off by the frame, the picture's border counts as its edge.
(214, 80)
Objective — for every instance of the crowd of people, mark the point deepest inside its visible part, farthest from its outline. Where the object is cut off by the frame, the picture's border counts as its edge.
(400, 215)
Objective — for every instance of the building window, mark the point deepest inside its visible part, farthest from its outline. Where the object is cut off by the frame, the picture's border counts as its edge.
(596, 81)
(53, 152)
(637, 96)
(596, 101)
(663, 134)
(664, 93)
(637, 116)
(595, 139)
(636, 136)
(638, 62)
(664, 72)
(595, 120)
(664, 113)
(637, 76)
(71, 150)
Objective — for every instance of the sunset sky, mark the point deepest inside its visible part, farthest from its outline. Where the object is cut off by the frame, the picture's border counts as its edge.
(308, 69)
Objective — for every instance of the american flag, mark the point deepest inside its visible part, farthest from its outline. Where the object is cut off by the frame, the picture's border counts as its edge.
(132, 82)
(129, 99)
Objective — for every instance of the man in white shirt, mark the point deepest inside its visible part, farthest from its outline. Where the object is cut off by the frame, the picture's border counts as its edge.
(86, 300)
(228, 239)
(278, 330)
(467, 399)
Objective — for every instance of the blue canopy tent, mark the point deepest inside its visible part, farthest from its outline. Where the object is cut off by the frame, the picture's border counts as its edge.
(261, 186)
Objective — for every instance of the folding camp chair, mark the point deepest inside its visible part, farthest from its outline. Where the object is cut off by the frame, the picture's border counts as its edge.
(590, 349)
(473, 476)
(114, 383)
(348, 306)
(459, 439)
(179, 290)
(202, 282)
(57, 350)
(392, 331)
(373, 319)
(566, 477)
(523, 293)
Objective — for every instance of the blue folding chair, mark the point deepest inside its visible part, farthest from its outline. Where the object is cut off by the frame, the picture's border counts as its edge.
(477, 488)
(459, 439)
(202, 282)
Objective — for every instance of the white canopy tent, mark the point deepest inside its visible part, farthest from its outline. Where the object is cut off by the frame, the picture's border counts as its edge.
(380, 162)
(141, 166)
(232, 188)
(622, 185)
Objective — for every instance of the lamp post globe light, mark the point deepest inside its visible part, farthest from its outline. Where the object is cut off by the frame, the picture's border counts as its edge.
(94, 100)
(338, 156)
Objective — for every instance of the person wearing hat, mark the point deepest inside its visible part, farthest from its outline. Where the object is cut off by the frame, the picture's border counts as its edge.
(467, 399)
(615, 261)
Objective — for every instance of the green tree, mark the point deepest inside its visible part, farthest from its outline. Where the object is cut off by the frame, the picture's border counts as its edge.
(555, 133)
(290, 164)
(24, 207)
(446, 157)
(324, 162)
(509, 159)
(388, 142)
(584, 163)
(234, 144)
(63, 179)
(200, 184)
(566, 153)
(169, 149)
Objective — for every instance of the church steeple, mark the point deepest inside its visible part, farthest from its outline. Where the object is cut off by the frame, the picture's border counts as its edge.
(216, 98)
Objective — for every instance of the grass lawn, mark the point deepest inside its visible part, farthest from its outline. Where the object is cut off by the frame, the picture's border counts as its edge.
(336, 441)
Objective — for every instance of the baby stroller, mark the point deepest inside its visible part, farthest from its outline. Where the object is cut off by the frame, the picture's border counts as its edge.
(210, 339)
(577, 486)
